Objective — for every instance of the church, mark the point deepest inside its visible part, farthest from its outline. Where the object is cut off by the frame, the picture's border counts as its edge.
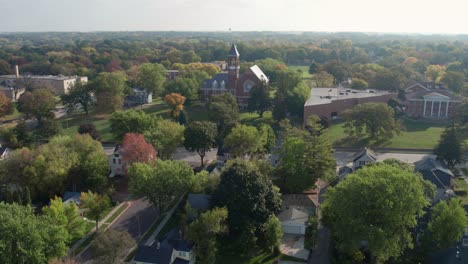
(231, 81)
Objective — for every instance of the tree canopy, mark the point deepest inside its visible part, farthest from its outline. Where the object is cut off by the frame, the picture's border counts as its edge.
(151, 76)
(450, 147)
(447, 224)
(200, 137)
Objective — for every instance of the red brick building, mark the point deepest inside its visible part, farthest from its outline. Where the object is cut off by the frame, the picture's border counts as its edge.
(430, 100)
(231, 81)
(331, 102)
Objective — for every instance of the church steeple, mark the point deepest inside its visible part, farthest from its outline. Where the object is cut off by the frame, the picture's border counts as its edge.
(233, 67)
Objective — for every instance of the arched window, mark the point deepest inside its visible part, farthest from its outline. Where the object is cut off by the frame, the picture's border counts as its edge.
(214, 84)
(223, 85)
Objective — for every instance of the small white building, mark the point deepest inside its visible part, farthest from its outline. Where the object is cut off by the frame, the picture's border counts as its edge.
(294, 221)
(115, 163)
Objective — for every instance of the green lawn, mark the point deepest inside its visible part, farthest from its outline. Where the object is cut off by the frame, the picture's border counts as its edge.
(227, 256)
(303, 69)
(415, 134)
(461, 185)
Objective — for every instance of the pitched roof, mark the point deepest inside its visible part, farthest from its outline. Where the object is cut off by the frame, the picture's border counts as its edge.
(69, 197)
(293, 214)
(199, 201)
(435, 172)
(219, 78)
(438, 92)
(233, 51)
(362, 152)
(300, 200)
(4, 150)
(259, 73)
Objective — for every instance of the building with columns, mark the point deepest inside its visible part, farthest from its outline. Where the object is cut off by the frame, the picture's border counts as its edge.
(232, 81)
(428, 100)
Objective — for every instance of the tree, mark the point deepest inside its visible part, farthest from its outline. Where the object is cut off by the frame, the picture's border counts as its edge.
(160, 182)
(200, 137)
(448, 221)
(66, 215)
(38, 104)
(111, 246)
(450, 147)
(362, 208)
(388, 80)
(135, 149)
(377, 120)
(151, 76)
(90, 129)
(176, 102)
(47, 129)
(130, 121)
(296, 99)
(273, 233)
(338, 69)
(359, 84)
(165, 136)
(6, 107)
(243, 140)
(27, 238)
(435, 72)
(454, 80)
(203, 233)
(109, 87)
(243, 184)
(323, 79)
(223, 111)
(95, 204)
(260, 100)
(79, 93)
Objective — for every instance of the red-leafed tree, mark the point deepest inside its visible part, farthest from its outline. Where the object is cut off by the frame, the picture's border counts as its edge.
(135, 149)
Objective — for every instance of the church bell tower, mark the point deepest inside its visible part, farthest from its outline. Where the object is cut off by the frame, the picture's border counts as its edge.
(233, 69)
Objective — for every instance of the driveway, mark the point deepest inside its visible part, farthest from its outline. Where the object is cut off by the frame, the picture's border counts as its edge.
(293, 245)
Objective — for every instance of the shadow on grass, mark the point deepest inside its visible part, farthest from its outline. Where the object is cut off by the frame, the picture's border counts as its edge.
(411, 125)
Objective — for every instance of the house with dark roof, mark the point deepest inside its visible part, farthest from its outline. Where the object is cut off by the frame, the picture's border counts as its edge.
(439, 175)
(170, 249)
(232, 81)
(430, 100)
(197, 204)
(363, 157)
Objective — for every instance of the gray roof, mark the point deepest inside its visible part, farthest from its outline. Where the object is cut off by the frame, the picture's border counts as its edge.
(294, 215)
(320, 96)
(199, 201)
(436, 92)
(435, 172)
(233, 51)
(362, 152)
(69, 197)
(219, 78)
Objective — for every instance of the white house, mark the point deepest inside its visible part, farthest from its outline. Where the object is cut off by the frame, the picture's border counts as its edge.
(363, 157)
(294, 221)
(115, 163)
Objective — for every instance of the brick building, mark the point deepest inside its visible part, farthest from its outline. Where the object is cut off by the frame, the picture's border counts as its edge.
(331, 102)
(430, 100)
(231, 81)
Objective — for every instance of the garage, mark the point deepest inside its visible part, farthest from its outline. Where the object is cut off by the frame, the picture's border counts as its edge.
(293, 221)
(290, 229)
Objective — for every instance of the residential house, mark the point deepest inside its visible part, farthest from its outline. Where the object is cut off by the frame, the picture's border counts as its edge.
(115, 163)
(294, 221)
(139, 96)
(307, 201)
(363, 157)
(430, 100)
(4, 152)
(438, 174)
(198, 203)
(170, 249)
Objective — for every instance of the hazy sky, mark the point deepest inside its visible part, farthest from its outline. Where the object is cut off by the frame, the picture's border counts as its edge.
(418, 16)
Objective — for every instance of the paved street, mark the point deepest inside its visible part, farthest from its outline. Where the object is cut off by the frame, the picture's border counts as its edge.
(136, 220)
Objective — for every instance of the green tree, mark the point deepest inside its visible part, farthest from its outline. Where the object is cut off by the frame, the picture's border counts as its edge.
(90, 129)
(66, 215)
(243, 140)
(454, 80)
(388, 80)
(27, 238)
(435, 72)
(110, 88)
(160, 182)
(223, 111)
(450, 147)
(296, 99)
(151, 76)
(6, 107)
(204, 231)
(448, 221)
(79, 93)
(165, 136)
(95, 204)
(273, 233)
(111, 246)
(200, 137)
(38, 104)
(243, 184)
(359, 84)
(377, 120)
(260, 99)
(130, 121)
(362, 208)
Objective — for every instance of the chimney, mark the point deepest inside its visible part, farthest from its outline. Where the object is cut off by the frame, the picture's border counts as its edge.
(17, 71)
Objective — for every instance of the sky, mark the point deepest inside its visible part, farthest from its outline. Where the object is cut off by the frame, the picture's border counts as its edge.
(400, 16)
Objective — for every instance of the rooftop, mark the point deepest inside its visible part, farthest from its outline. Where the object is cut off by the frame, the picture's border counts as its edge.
(320, 96)
(42, 77)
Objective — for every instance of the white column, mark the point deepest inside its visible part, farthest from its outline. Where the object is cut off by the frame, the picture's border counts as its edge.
(424, 110)
(440, 104)
(432, 107)
(446, 109)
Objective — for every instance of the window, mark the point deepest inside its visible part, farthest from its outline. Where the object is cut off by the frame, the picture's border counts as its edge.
(362, 163)
(182, 254)
(113, 160)
(120, 161)
(116, 155)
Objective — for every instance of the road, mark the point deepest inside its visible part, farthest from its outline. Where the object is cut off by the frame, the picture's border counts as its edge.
(135, 220)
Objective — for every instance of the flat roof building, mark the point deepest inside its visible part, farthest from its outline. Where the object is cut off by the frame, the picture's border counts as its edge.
(331, 102)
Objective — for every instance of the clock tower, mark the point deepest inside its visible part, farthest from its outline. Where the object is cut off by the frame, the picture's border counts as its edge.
(233, 69)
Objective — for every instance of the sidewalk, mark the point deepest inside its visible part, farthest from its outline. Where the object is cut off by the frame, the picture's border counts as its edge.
(92, 231)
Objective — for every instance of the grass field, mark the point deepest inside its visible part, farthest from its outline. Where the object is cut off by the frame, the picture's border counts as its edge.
(303, 69)
(415, 135)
